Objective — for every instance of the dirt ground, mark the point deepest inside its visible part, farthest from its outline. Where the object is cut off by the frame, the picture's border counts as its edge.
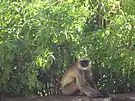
(121, 97)
(57, 98)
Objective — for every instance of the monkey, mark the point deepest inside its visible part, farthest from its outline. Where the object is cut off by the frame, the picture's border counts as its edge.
(73, 80)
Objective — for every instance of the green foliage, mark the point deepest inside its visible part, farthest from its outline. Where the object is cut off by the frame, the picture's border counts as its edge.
(36, 37)
(113, 48)
(60, 27)
(48, 36)
(128, 6)
(16, 51)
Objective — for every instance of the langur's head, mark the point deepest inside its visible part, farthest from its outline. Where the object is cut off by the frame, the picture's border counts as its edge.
(84, 63)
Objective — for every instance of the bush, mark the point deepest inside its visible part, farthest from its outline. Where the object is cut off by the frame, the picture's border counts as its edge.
(36, 35)
(16, 52)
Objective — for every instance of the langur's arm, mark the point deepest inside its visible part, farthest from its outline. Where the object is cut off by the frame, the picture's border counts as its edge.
(89, 77)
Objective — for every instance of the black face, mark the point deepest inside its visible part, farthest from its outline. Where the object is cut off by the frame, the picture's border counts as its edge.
(84, 63)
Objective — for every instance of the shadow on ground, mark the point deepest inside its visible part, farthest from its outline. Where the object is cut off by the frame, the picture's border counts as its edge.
(119, 97)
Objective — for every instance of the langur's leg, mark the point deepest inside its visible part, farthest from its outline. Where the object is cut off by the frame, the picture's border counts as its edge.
(87, 89)
(70, 89)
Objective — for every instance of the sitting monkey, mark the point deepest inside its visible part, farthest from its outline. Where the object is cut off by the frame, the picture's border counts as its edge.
(74, 80)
